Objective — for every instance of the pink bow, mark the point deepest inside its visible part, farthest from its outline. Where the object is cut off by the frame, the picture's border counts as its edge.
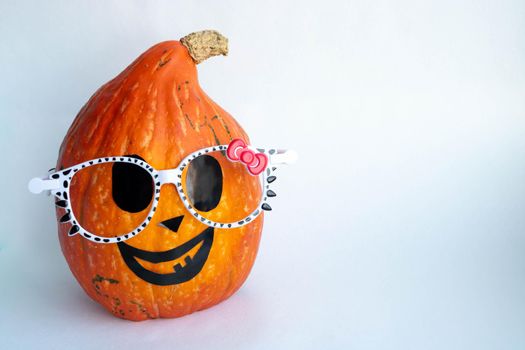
(238, 151)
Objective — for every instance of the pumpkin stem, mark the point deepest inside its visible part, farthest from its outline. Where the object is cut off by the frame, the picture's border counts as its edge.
(205, 44)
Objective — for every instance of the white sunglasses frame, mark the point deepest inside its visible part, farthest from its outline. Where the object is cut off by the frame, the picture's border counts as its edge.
(57, 183)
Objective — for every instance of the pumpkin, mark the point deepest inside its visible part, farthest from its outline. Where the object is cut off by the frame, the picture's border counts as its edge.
(156, 110)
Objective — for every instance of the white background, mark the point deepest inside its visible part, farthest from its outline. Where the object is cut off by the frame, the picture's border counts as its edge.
(401, 227)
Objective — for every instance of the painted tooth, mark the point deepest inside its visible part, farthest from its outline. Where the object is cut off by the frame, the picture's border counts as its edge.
(177, 267)
(188, 260)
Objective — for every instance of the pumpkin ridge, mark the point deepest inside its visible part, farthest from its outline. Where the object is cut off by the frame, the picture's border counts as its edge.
(99, 122)
(100, 115)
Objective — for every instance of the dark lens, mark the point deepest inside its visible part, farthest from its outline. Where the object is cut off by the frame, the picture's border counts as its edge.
(132, 187)
(91, 191)
(222, 191)
(204, 183)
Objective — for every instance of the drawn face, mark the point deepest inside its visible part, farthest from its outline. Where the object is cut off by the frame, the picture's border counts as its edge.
(132, 192)
(115, 199)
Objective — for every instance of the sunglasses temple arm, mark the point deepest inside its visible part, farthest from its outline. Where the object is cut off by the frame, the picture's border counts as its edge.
(283, 157)
(38, 185)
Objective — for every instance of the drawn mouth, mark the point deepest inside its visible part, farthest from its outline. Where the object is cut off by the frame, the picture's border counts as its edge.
(193, 264)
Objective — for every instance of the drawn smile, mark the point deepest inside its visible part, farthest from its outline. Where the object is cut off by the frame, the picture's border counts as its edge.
(193, 265)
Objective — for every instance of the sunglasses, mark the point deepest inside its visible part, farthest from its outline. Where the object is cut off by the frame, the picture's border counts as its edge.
(127, 187)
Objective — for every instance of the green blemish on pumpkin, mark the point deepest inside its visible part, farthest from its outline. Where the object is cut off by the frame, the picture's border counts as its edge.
(223, 124)
(214, 134)
(116, 304)
(99, 278)
(141, 308)
(162, 62)
(189, 121)
(210, 126)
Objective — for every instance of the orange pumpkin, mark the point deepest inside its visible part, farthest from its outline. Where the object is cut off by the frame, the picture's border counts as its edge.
(156, 109)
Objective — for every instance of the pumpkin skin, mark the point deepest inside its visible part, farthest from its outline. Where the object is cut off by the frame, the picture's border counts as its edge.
(156, 109)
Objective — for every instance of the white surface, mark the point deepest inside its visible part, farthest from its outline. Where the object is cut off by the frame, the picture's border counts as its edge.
(401, 227)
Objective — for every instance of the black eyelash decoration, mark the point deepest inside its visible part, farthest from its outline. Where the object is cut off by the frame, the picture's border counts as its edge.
(74, 229)
(271, 193)
(61, 203)
(65, 218)
(266, 207)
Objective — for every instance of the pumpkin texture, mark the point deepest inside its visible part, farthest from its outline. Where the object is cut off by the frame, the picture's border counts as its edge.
(155, 110)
